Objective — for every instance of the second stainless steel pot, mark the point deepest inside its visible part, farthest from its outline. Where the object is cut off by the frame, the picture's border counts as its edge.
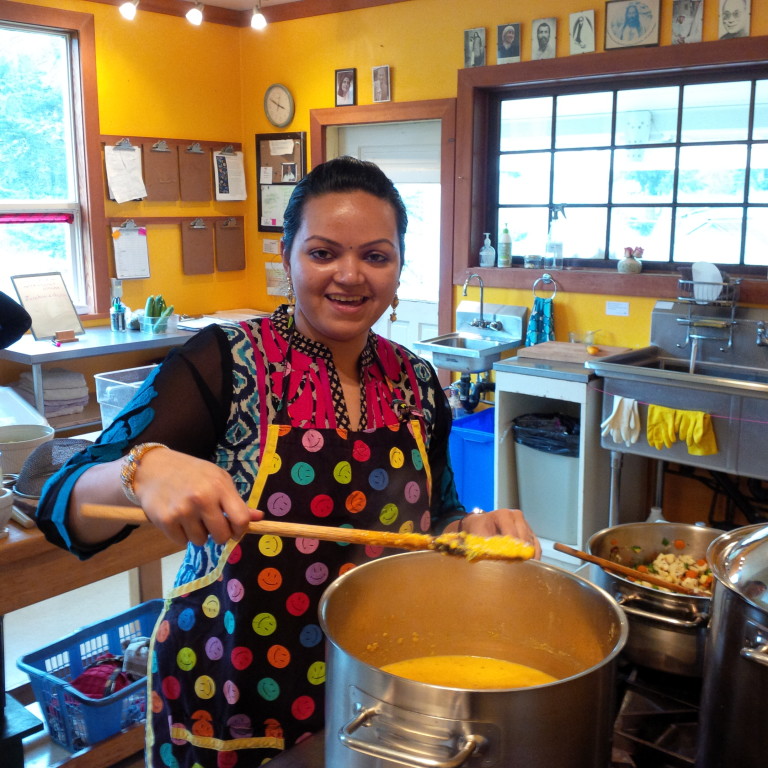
(667, 631)
(425, 603)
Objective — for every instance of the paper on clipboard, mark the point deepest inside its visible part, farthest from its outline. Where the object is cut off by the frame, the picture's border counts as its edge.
(124, 176)
(131, 252)
(229, 172)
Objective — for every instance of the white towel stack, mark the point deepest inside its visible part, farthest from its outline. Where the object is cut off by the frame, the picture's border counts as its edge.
(64, 392)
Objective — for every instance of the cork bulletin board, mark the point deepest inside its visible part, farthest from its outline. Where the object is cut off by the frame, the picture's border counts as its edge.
(280, 164)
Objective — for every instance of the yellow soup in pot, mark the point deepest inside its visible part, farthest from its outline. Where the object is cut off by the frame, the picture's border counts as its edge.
(475, 672)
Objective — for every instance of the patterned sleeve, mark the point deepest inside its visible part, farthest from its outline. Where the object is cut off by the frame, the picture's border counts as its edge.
(184, 403)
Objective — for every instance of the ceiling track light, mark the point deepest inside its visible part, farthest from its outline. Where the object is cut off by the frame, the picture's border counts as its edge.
(258, 21)
(195, 14)
(128, 9)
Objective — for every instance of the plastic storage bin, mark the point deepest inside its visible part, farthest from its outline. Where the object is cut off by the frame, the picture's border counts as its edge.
(115, 389)
(546, 455)
(74, 720)
(472, 459)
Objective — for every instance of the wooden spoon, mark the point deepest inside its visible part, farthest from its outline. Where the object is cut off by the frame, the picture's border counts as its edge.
(463, 544)
(631, 573)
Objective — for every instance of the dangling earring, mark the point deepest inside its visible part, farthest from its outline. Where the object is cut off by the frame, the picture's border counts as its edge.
(393, 314)
(291, 297)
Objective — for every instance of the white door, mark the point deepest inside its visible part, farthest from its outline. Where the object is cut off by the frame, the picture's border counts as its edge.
(409, 153)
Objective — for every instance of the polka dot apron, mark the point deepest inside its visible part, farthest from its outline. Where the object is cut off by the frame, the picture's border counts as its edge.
(238, 662)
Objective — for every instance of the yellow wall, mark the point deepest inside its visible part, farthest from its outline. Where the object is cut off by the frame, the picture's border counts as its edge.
(160, 76)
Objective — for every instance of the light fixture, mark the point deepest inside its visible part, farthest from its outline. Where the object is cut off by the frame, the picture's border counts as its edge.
(258, 21)
(128, 9)
(195, 14)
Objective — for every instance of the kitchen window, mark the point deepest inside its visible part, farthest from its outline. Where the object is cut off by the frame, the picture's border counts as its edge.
(679, 169)
(50, 201)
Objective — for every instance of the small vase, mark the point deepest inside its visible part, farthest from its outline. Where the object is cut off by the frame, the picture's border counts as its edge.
(629, 265)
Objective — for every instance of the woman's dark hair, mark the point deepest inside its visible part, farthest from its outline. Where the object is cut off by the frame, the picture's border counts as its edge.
(343, 174)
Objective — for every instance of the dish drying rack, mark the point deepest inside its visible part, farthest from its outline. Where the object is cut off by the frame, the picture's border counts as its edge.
(697, 323)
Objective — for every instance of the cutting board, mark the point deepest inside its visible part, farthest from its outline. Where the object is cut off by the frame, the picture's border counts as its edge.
(566, 352)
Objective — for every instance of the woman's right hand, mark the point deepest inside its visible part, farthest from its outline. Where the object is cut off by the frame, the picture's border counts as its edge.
(189, 499)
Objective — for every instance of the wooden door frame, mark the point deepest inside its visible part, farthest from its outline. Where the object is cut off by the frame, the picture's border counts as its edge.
(436, 109)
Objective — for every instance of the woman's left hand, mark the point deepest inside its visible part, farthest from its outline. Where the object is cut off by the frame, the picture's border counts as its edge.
(501, 522)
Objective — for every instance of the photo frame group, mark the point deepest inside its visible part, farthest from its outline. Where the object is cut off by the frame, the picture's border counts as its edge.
(631, 23)
(345, 85)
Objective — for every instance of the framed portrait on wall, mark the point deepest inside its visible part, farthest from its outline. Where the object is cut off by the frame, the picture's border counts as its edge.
(474, 47)
(544, 38)
(345, 84)
(734, 19)
(631, 23)
(507, 43)
(686, 21)
(381, 84)
(582, 32)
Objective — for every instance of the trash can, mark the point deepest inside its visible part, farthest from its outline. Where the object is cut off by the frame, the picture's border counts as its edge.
(471, 447)
(547, 459)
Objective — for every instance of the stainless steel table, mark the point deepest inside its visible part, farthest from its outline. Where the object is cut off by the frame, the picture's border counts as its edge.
(95, 341)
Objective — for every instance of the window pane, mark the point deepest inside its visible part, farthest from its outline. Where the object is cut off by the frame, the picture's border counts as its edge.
(756, 246)
(524, 179)
(708, 234)
(528, 228)
(584, 233)
(713, 174)
(716, 112)
(647, 115)
(584, 120)
(648, 228)
(758, 174)
(35, 133)
(30, 248)
(760, 129)
(582, 176)
(526, 124)
(643, 175)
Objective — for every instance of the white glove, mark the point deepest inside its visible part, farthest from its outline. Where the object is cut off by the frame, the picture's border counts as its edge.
(623, 425)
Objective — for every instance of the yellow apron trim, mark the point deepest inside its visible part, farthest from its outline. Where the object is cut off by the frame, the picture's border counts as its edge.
(227, 745)
(270, 451)
(211, 576)
(416, 427)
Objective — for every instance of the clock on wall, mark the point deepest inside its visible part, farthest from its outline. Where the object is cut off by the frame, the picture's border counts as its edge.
(278, 105)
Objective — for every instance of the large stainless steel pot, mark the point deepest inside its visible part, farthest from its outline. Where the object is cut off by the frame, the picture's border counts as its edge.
(425, 603)
(667, 631)
(733, 725)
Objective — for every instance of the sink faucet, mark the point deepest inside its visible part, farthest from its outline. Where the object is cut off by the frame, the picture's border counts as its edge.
(762, 339)
(481, 322)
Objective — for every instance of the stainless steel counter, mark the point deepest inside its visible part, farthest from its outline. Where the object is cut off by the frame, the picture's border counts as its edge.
(551, 369)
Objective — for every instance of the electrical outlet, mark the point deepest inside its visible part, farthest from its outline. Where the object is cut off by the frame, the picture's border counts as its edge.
(617, 308)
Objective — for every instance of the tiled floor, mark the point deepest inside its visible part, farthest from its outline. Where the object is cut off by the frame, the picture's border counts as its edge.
(40, 625)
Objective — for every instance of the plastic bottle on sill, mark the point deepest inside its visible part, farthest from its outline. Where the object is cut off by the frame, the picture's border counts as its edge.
(487, 252)
(505, 248)
(553, 258)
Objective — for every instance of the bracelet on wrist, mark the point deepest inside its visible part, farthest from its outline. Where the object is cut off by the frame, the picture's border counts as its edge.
(130, 466)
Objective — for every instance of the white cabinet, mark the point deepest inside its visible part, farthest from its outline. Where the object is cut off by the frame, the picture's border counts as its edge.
(524, 387)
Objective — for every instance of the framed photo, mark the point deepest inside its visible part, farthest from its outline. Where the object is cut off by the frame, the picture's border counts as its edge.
(346, 87)
(734, 19)
(381, 84)
(474, 47)
(281, 162)
(631, 23)
(581, 30)
(544, 38)
(507, 43)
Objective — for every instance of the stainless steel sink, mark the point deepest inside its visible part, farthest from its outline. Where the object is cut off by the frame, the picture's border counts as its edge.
(483, 336)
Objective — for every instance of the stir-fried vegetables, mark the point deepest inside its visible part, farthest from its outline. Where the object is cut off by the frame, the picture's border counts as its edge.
(684, 570)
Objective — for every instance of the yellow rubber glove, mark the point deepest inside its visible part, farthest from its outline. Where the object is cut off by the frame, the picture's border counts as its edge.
(686, 426)
(660, 430)
(702, 440)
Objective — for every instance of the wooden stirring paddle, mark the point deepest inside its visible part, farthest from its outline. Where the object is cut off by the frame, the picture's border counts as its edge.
(631, 573)
(465, 545)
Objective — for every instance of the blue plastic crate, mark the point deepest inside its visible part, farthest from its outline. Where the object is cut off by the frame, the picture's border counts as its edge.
(75, 720)
(472, 459)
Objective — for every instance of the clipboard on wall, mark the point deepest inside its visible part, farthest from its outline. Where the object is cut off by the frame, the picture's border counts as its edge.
(161, 171)
(230, 244)
(46, 298)
(281, 162)
(197, 247)
(195, 174)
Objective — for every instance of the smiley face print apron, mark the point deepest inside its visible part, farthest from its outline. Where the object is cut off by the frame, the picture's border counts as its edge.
(238, 662)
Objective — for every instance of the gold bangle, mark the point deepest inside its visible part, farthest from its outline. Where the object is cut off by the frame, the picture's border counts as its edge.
(131, 465)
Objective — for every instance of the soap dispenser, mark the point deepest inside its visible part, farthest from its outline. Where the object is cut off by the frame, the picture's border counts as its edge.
(487, 252)
(505, 248)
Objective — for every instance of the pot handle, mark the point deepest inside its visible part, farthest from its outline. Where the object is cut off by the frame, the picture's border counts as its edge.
(624, 601)
(759, 655)
(471, 743)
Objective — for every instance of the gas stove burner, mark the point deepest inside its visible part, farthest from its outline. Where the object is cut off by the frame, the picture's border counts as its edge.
(657, 722)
